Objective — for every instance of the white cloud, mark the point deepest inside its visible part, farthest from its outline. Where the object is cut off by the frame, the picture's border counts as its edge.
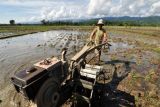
(155, 9)
(101, 8)
(75, 9)
(62, 12)
(124, 7)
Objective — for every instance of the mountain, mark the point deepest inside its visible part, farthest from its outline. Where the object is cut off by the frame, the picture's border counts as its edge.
(118, 21)
(133, 21)
(151, 20)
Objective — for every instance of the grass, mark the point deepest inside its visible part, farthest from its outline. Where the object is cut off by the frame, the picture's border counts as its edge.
(157, 50)
(17, 28)
(36, 28)
(28, 29)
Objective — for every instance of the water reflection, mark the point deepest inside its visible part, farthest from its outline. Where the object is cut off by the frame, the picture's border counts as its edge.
(20, 52)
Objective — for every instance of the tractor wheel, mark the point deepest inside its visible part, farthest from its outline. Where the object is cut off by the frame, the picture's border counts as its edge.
(48, 95)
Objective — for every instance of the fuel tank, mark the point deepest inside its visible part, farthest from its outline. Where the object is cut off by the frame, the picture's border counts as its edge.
(29, 81)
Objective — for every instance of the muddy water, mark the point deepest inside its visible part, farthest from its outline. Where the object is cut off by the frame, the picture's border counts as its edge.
(20, 52)
(119, 46)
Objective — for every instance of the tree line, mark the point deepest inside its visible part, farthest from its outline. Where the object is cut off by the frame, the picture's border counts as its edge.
(107, 22)
(92, 22)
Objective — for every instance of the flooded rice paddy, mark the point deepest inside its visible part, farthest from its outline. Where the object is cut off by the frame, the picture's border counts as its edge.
(126, 56)
(19, 52)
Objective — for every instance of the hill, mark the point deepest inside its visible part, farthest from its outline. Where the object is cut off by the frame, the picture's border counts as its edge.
(113, 21)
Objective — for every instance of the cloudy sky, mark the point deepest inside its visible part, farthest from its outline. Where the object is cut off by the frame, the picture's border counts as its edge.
(35, 10)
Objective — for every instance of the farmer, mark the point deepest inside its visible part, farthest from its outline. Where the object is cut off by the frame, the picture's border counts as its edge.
(99, 36)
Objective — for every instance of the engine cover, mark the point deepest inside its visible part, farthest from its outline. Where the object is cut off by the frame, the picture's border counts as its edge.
(30, 80)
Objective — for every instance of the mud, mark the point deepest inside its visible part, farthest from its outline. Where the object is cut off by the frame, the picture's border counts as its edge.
(5, 34)
(21, 52)
(132, 67)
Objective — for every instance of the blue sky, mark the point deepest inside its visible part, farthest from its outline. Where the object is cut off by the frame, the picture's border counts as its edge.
(36, 10)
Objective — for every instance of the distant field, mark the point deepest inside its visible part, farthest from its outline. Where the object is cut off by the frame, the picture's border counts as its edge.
(151, 31)
(12, 31)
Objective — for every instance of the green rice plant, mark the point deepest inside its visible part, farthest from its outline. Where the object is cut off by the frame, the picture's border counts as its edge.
(157, 50)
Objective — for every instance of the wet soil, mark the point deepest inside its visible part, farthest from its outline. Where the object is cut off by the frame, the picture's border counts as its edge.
(132, 65)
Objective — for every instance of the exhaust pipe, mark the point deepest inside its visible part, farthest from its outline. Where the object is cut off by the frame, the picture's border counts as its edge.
(63, 54)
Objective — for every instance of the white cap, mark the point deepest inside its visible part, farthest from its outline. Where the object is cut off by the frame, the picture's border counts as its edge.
(100, 22)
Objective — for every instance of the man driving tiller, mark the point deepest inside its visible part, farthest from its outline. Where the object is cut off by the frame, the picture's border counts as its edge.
(99, 36)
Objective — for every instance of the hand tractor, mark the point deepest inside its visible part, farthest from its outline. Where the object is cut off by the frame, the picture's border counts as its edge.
(44, 82)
